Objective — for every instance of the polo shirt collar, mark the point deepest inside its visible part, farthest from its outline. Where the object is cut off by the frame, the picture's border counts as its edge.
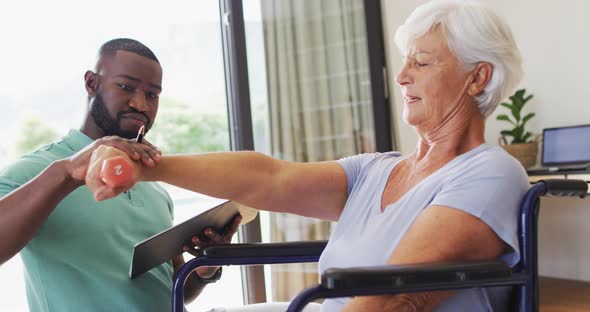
(77, 140)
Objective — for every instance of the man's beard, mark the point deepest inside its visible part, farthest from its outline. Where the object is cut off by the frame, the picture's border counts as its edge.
(109, 125)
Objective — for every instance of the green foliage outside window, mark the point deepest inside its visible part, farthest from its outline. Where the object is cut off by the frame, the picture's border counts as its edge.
(178, 129)
(34, 133)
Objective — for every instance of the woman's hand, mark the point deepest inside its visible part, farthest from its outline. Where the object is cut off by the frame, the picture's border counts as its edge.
(84, 166)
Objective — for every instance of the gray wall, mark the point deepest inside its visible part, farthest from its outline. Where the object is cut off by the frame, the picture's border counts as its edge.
(553, 38)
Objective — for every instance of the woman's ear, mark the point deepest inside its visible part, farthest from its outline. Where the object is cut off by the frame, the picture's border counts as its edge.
(90, 83)
(482, 75)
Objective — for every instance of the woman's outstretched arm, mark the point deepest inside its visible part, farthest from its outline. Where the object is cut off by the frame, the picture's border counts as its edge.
(309, 189)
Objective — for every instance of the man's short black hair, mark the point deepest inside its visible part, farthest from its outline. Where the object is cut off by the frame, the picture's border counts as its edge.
(125, 44)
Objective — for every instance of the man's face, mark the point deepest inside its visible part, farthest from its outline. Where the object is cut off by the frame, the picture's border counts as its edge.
(108, 124)
(127, 94)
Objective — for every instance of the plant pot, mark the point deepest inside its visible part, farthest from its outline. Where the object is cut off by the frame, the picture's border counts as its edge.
(526, 153)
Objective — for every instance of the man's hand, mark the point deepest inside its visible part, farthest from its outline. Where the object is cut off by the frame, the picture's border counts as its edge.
(211, 237)
(193, 287)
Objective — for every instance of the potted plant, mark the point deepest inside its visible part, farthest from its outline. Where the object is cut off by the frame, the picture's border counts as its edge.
(522, 145)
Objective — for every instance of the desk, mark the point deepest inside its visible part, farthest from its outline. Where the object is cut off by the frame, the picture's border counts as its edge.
(555, 294)
(560, 295)
(533, 171)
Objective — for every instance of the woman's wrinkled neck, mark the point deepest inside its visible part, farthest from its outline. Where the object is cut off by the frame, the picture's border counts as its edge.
(459, 134)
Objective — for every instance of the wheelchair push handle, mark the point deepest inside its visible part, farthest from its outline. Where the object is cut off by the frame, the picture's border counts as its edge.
(565, 187)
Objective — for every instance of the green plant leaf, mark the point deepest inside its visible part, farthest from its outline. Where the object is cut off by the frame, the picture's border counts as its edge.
(527, 118)
(517, 102)
(505, 118)
(507, 133)
(509, 106)
(526, 137)
(519, 99)
(518, 131)
(516, 112)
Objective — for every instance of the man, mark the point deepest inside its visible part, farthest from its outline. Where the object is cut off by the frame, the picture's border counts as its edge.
(77, 252)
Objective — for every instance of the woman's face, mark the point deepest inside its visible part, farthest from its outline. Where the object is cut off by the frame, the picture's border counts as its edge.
(433, 82)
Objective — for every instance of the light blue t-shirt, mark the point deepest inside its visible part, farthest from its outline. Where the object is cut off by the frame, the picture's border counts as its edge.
(485, 182)
(79, 259)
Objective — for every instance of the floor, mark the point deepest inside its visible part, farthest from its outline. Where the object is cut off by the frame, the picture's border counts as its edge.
(559, 295)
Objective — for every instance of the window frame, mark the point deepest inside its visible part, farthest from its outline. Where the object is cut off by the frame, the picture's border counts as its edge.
(240, 117)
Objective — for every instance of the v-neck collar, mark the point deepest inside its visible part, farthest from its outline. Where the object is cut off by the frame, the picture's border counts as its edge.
(391, 167)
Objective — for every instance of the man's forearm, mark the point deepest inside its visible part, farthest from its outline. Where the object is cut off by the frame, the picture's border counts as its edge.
(23, 211)
(192, 288)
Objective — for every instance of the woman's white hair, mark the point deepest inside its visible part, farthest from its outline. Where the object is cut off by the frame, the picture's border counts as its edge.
(474, 33)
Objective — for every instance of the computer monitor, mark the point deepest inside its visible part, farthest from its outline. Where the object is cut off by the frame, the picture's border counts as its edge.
(566, 145)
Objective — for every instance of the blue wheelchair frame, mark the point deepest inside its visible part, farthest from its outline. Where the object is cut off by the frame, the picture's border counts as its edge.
(395, 279)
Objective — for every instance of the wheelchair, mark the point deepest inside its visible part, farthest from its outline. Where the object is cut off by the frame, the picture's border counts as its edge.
(395, 279)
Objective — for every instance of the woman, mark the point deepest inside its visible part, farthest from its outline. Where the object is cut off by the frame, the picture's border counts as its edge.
(454, 198)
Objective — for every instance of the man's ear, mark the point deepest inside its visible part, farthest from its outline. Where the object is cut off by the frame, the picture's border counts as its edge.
(482, 75)
(90, 83)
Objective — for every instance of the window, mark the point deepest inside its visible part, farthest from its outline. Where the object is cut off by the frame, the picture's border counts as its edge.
(314, 96)
(45, 54)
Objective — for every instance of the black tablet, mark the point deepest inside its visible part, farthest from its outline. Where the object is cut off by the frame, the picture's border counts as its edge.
(167, 244)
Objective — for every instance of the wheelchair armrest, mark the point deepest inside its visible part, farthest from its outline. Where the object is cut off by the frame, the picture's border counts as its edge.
(287, 249)
(245, 254)
(415, 276)
(565, 187)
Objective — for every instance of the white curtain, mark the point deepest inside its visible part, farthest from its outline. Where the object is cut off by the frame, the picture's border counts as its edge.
(319, 103)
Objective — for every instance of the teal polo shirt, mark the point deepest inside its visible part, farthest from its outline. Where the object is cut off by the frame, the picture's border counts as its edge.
(79, 259)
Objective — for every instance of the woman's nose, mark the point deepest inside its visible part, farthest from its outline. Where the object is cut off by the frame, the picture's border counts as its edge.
(403, 77)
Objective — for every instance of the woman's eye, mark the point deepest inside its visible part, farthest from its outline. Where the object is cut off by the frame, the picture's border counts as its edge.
(421, 64)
